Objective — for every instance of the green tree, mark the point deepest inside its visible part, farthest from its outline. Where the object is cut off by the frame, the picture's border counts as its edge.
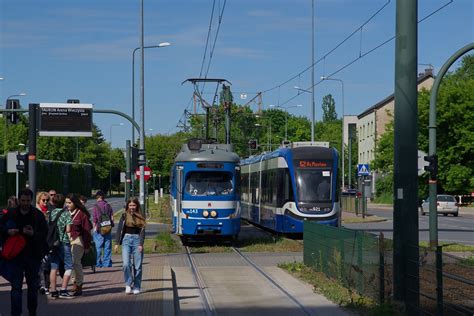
(329, 108)
(455, 139)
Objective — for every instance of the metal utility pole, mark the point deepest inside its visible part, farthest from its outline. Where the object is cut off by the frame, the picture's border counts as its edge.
(433, 183)
(128, 169)
(312, 71)
(405, 219)
(32, 112)
(142, 113)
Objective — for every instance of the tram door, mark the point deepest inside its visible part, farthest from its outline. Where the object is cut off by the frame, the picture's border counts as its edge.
(179, 200)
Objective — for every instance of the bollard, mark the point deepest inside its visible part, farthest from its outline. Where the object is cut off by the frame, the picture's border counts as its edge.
(156, 196)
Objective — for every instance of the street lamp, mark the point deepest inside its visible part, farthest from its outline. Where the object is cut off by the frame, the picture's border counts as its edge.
(110, 157)
(342, 145)
(286, 115)
(163, 44)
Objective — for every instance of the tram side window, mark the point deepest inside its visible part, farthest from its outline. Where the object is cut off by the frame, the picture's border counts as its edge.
(254, 184)
(245, 187)
(285, 190)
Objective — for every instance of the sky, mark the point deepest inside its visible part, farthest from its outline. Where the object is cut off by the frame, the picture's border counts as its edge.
(54, 50)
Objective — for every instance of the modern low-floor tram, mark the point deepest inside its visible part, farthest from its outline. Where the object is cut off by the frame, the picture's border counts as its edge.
(284, 188)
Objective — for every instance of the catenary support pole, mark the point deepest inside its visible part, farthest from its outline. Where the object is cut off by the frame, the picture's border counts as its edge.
(405, 225)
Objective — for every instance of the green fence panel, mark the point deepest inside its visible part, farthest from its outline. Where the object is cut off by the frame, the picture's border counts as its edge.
(350, 256)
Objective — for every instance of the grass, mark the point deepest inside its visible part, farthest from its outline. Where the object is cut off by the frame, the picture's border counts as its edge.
(255, 244)
(269, 244)
(450, 247)
(160, 212)
(467, 261)
(384, 198)
(359, 219)
(336, 292)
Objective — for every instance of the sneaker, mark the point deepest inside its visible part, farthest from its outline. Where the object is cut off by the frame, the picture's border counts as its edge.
(43, 290)
(128, 290)
(46, 292)
(54, 295)
(65, 294)
(136, 291)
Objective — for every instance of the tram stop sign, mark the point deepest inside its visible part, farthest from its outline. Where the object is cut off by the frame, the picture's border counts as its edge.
(147, 175)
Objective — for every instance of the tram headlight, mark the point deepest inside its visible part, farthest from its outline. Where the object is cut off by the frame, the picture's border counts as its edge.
(205, 213)
(213, 214)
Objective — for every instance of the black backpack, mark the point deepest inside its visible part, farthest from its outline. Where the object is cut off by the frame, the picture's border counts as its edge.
(52, 239)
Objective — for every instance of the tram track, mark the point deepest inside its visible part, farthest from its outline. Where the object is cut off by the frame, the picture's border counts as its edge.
(271, 280)
(205, 294)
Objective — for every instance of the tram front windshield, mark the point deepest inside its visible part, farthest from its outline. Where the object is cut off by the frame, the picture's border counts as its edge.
(209, 183)
(314, 185)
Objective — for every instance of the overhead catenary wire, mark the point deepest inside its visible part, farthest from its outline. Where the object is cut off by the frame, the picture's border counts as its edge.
(362, 55)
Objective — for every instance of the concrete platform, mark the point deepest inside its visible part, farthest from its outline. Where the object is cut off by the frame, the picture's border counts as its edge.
(169, 288)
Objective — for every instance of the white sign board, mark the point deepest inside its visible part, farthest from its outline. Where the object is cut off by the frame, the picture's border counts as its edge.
(122, 177)
(11, 161)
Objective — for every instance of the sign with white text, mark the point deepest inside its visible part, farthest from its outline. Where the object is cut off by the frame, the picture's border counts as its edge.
(65, 119)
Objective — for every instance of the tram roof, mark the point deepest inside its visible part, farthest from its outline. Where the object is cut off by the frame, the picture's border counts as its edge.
(284, 151)
(208, 152)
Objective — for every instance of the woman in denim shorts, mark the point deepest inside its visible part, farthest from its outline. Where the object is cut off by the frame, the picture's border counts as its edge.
(61, 255)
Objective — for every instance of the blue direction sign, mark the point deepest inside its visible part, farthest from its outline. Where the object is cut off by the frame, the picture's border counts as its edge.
(363, 170)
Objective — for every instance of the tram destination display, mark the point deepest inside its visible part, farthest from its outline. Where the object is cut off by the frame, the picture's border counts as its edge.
(65, 119)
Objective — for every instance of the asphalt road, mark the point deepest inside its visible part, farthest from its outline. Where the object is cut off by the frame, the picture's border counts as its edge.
(450, 229)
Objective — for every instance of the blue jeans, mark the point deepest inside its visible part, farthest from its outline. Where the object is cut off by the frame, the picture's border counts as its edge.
(130, 245)
(28, 267)
(103, 241)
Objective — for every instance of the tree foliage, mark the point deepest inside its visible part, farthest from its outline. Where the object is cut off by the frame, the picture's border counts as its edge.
(329, 108)
(455, 139)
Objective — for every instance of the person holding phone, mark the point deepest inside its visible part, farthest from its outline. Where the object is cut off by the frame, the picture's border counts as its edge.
(31, 223)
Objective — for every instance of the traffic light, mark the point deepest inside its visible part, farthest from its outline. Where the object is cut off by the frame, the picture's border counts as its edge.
(252, 144)
(432, 168)
(22, 163)
(13, 104)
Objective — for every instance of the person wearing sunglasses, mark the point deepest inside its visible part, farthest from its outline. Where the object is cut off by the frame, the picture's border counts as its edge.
(42, 201)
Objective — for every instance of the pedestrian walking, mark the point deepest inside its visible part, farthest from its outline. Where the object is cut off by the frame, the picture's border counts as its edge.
(131, 235)
(42, 203)
(29, 223)
(80, 239)
(61, 255)
(103, 221)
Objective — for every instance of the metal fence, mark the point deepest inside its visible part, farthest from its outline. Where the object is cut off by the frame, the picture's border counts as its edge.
(363, 262)
(65, 177)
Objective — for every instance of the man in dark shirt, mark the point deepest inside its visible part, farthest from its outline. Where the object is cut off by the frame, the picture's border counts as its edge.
(30, 222)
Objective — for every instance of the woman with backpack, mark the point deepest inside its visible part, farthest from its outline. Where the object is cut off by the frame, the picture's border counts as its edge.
(61, 220)
(131, 237)
(80, 238)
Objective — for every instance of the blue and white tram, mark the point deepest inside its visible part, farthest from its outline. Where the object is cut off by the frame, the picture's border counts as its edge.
(205, 190)
(283, 188)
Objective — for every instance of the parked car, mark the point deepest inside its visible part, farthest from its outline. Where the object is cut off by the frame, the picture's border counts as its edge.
(446, 204)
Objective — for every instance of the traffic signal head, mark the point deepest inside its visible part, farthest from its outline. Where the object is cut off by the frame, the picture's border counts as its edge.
(432, 168)
(22, 163)
(13, 104)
